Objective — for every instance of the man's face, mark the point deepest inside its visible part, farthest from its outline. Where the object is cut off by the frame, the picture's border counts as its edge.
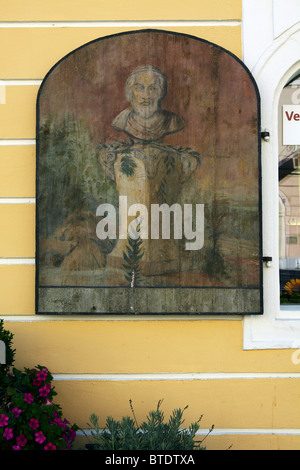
(146, 94)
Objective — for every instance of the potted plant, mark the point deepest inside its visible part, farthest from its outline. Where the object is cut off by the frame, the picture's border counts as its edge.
(152, 434)
(29, 419)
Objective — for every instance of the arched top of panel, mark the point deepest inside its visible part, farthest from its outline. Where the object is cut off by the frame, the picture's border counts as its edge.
(149, 142)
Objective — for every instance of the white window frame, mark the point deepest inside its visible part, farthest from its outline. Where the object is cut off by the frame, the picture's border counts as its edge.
(278, 327)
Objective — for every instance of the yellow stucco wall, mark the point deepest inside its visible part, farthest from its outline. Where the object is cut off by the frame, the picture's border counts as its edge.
(101, 363)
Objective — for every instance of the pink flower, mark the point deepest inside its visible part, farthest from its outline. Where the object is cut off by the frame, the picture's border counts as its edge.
(39, 437)
(37, 382)
(72, 434)
(34, 423)
(16, 412)
(3, 420)
(60, 423)
(69, 436)
(50, 446)
(44, 391)
(21, 440)
(17, 448)
(8, 433)
(28, 398)
(42, 374)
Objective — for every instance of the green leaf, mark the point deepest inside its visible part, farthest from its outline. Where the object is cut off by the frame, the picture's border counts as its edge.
(128, 165)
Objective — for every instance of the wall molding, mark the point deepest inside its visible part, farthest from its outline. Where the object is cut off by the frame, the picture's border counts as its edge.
(275, 66)
(20, 82)
(176, 376)
(119, 24)
(17, 200)
(15, 261)
(7, 142)
(229, 432)
(110, 317)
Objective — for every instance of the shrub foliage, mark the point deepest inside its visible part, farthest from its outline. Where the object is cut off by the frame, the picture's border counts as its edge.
(153, 434)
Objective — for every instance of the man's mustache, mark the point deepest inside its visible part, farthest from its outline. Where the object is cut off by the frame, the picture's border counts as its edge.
(145, 101)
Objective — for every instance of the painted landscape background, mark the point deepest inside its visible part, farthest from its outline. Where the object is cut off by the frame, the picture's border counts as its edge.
(217, 100)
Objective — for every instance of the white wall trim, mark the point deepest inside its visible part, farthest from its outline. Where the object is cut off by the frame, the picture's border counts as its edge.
(277, 64)
(174, 376)
(20, 82)
(14, 261)
(119, 24)
(229, 432)
(7, 142)
(17, 200)
(111, 317)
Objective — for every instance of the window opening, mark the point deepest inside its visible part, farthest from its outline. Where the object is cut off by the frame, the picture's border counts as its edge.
(289, 192)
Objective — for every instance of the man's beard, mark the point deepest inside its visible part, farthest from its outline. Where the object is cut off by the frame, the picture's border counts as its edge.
(146, 111)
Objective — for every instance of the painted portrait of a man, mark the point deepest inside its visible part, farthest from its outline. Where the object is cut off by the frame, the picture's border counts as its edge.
(144, 120)
(148, 180)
